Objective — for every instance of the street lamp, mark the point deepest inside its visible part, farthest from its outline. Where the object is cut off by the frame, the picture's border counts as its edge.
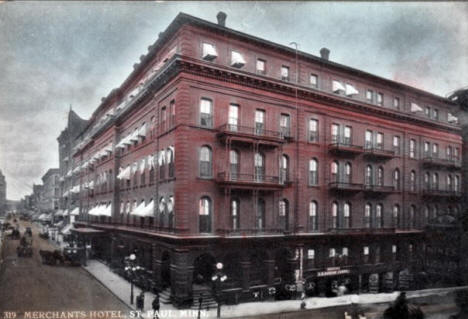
(131, 268)
(218, 278)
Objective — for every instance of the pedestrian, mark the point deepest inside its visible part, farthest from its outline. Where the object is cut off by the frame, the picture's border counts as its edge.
(156, 305)
(140, 301)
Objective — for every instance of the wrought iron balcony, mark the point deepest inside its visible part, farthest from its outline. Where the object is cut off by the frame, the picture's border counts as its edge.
(248, 181)
(345, 187)
(344, 147)
(252, 232)
(362, 230)
(248, 134)
(378, 153)
(436, 162)
(378, 189)
(439, 193)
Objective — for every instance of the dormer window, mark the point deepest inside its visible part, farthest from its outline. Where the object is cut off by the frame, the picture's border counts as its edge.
(285, 73)
(209, 52)
(261, 66)
(369, 95)
(314, 80)
(379, 98)
(338, 87)
(237, 60)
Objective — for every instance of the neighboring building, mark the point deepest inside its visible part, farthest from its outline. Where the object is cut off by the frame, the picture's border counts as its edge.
(50, 191)
(3, 190)
(222, 147)
(36, 200)
(66, 141)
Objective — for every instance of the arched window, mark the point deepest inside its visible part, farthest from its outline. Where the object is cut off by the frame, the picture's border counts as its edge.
(427, 147)
(412, 216)
(313, 216)
(435, 211)
(259, 167)
(348, 171)
(380, 176)
(284, 169)
(260, 214)
(369, 175)
(284, 214)
(170, 211)
(396, 179)
(313, 172)
(162, 211)
(427, 184)
(367, 215)
(426, 214)
(334, 212)
(334, 168)
(235, 203)
(413, 181)
(206, 164)
(449, 152)
(234, 164)
(396, 216)
(205, 212)
(379, 216)
(449, 183)
(456, 185)
(170, 161)
(412, 148)
(435, 181)
(347, 215)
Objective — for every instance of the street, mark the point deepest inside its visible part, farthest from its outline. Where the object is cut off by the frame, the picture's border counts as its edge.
(28, 285)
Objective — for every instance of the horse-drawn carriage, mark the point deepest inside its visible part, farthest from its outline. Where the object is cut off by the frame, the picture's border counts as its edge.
(44, 235)
(13, 233)
(71, 256)
(25, 247)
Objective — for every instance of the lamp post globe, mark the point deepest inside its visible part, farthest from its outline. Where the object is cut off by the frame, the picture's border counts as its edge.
(219, 266)
(132, 257)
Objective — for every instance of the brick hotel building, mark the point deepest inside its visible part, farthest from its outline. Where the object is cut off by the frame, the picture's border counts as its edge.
(284, 166)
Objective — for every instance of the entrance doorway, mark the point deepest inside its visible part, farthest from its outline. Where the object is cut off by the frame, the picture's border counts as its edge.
(166, 270)
(204, 266)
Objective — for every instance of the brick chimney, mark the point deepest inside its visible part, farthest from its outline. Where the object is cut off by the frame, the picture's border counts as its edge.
(324, 53)
(221, 16)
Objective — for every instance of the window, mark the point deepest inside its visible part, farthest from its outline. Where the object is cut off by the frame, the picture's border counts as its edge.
(335, 128)
(379, 98)
(369, 175)
(313, 172)
(394, 252)
(334, 168)
(170, 161)
(313, 130)
(435, 114)
(313, 79)
(365, 254)
(285, 73)
(380, 176)
(310, 254)
(456, 184)
(435, 150)
(284, 169)
(261, 66)
(259, 122)
(206, 162)
(412, 149)
(457, 153)
(396, 179)
(259, 167)
(426, 213)
(285, 124)
(209, 52)
(235, 214)
(427, 185)
(204, 213)
(369, 95)
(427, 147)
(396, 144)
(237, 60)
(206, 113)
(346, 215)
(284, 214)
(413, 181)
(368, 139)
(347, 135)
(367, 215)
(163, 119)
(380, 141)
(435, 181)
(427, 111)
(377, 254)
(260, 214)
(334, 212)
(233, 120)
(396, 102)
(412, 215)
(172, 113)
(313, 211)
(234, 164)
(347, 175)
(378, 216)
(396, 216)
(448, 152)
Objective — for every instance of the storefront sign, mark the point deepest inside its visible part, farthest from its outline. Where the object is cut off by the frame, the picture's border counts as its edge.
(333, 272)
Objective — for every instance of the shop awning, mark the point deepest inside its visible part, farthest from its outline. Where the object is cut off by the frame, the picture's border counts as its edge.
(75, 212)
(67, 229)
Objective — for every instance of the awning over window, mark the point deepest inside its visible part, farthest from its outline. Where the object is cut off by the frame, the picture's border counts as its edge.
(415, 108)
(351, 90)
(137, 211)
(237, 59)
(337, 86)
(75, 212)
(147, 211)
(124, 173)
(452, 119)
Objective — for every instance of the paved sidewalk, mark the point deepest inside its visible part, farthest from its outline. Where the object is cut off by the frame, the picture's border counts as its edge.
(121, 288)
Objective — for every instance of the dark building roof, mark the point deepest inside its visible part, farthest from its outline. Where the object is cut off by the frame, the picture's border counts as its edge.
(75, 125)
(51, 171)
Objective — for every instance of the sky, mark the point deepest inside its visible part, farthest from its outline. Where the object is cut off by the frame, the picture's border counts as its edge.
(56, 54)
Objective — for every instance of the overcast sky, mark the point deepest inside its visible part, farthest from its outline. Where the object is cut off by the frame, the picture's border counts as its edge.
(57, 54)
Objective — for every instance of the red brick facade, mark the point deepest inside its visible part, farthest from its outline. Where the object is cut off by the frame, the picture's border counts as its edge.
(281, 214)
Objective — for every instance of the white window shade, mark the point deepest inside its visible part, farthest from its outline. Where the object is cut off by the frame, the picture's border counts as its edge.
(124, 173)
(142, 165)
(161, 157)
(237, 60)
(75, 212)
(91, 185)
(209, 51)
(126, 140)
(350, 90)
(337, 86)
(134, 136)
(142, 130)
(108, 148)
(139, 209)
(150, 160)
(452, 119)
(415, 108)
(147, 211)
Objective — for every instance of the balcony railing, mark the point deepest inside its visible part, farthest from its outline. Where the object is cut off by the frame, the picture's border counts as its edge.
(362, 230)
(435, 192)
(251, 232)
(253, 133)
(377, 152)
(344, 186)
(430, 161)
(344, 147)
(251, 180)
(381, 189)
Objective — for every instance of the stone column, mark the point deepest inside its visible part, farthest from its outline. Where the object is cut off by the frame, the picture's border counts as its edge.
(181, 278)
